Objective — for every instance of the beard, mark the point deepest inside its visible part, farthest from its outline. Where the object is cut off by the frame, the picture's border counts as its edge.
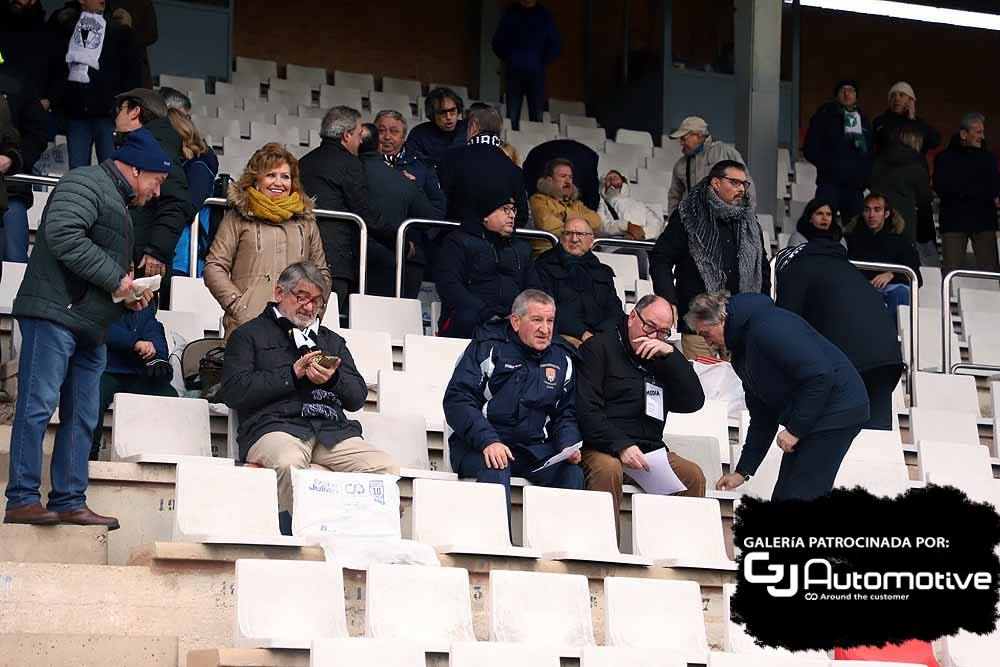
(611, 192)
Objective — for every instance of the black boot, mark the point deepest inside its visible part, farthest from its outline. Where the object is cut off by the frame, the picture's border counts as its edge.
(285, 523)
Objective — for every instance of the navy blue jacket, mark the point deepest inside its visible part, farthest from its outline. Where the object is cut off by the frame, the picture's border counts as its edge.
(526, 38)
(504, 391)
(837, 161)
(791, 376)
(479, 274)
(426, 179)
(463, 170)
(201, 171)
(429, 141)
(126, 332)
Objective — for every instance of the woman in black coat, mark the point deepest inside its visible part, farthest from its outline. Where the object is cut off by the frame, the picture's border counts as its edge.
(818, 282)
(818, 221)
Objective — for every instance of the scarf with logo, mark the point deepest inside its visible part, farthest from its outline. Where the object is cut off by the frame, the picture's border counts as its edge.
(486, 138)
(321, 403)
(274, 209)
(85, 46)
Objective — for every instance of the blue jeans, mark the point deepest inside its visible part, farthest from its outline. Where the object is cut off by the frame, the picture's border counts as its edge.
(55, 368)
(15, 232)
(895, 294)
(82, 133)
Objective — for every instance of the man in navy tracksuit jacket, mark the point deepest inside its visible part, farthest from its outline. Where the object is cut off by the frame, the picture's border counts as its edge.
(511, 400)
(792, 377)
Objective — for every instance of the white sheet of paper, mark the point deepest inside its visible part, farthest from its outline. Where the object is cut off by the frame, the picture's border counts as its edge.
(654, 401)
(660, 479)
(152, 283)
(561, 456)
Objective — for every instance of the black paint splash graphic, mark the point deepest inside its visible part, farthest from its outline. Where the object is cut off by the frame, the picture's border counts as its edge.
(886, 606)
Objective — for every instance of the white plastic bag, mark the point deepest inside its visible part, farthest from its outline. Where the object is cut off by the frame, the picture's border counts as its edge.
(720, 382)
(358, 553)
(345, 504)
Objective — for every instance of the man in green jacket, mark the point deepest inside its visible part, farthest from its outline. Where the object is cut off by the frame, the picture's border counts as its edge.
(80, 264)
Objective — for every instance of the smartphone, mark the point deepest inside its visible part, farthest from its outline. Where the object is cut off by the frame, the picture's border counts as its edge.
(327, 360)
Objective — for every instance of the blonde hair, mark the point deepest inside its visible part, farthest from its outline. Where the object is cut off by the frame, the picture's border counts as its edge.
(192, 144)
(511, 152)
(268, 157)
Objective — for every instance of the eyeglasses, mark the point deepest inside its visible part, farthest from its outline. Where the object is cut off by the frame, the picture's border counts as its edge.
(509, 209)
(449, 111)
(649, 329)
(737, 182)
(303, 298)
(581, 235)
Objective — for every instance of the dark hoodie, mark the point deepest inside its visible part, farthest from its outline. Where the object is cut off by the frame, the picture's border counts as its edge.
(791, 375)
(465, 171)
(900, 173)
(480, 272)
(967, 181)
(818, 282)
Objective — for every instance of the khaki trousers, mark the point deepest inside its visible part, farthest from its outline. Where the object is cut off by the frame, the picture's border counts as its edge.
(283, 452)
(695, 346)
(604, 472)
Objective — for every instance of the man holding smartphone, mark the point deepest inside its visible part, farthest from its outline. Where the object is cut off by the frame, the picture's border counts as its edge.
(291, 381)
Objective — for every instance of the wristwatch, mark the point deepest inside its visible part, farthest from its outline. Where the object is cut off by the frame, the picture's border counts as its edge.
(746, 477)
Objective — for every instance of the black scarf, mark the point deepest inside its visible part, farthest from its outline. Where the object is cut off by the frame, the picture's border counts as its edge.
(486, 138)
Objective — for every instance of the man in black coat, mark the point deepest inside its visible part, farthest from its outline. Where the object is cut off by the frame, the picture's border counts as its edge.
(444, 129)
(391, 133)
(619, 418)
(291, 380)
(839, 143)
(727, 250)
(583, 287)
(396, 198)
(159, 223)
(817, 282)
(584, 159)
(792, 377)
(968, 183)
(333, 175)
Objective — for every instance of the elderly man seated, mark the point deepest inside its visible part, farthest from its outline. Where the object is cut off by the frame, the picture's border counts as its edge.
(291, 380)
(624, 216)
(510, 401)
(558, 200)
(583, 287)
(630, 379)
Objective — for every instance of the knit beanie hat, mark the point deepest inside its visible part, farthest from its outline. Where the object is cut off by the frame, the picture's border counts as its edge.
(846, 82)
(142, 151)
(903, 87)
(488, 197)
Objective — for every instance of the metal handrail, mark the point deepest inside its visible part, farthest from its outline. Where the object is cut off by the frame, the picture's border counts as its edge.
(946, 328)
(623, 243)
(426, 222)
(218, 201)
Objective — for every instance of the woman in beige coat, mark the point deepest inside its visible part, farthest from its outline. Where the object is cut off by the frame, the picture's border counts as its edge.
(269, 225)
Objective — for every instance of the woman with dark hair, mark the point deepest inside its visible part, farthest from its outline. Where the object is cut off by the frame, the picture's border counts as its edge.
(817, 222)
(269, 225)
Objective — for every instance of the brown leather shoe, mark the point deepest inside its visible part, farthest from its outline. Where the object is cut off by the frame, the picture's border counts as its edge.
(87, 517)
(33, 514)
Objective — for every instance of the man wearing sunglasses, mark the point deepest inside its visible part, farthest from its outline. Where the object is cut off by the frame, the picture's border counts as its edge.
(630, 379)
(713, 241)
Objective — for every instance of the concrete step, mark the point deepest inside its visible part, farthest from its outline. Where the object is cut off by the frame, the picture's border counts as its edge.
(81, 545)
(59, 650)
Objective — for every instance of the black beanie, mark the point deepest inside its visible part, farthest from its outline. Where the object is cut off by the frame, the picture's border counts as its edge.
(846, 82)
(488, 197)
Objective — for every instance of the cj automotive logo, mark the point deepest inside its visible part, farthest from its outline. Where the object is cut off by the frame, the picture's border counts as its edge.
(817, 580)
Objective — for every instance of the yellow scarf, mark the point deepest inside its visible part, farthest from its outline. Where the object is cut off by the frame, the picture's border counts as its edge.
(274, 209)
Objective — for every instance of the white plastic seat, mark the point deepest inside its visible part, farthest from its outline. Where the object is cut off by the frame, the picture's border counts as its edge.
(371, 350)
(331, 316)
(717, 659)
(650, 194)
(157, 429)
(943, 426)
(626, 267)
(805, 172)
(631, 152)
(404, 437)
(803, 192)
(426, 606)
(540, 129)
(736, 640)
(976, 322)
(701, 450)
(288, 99)
(179, 327)
(247, 513)
(930, 290)
(218, 128)
(591, 133)
(288, 603)
(984, 348)
(409, 393)
(412, 89)
(246, 117)
(433, 357)
(340, 95)
(953, 463)
(655, 613)
(314, 76)
(551, 610)
(623, 656)
(568, 119)
(712, 420)
(463, 518)
(557, 106)
(395, 101)
(761, 484)
(572, 525)
(10, 283)
(637, 138)
(947, 392)
(311, 113)
(382, 313)
(660, 177)
(676, 531)
(262, 133)
(661, 163)
(987, 301)
(970, 650)
(232, 146)
(362, 81)
(259, 106)
(353, 651)
(265, 69)
(929, 342)
(191, 296)
(501, 654)
(875, 462)
(185, 84)
(39, 199)
(669, 151)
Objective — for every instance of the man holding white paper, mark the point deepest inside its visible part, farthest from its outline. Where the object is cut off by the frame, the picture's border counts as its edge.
(511, 401)
(630, 378)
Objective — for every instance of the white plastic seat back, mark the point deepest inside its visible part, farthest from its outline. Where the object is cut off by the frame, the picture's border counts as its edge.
(409, 87)
(655, 613)
(247, 513)
(565, 523)
(953, 463)
(180, 327)
(288, 603)
(10, 282)
(262, 133)
(412, 394)
(159, 429)
(191, 296)
(314, 76)
(576, 107)
(967, 649)
(542, 608)
(354, 651)
(701, 450)
(947, 392)
(736, 640)
(331, 316)
(461, 517)
(712, 420)
(650, 193)
(637, 138)
(371, 350)
(626, 267)
(392, 101)
(361, 80)
(185, 84)
(761, 484)
(332, 96)
(397, 317)
(767, 660)
(460, 90)
(265, 69)
(404, 437)
(987, 301)
(875, 462)
(929, 343)
(590, 133)
(501, 654)
(427, 606)
(680, 531)
(943, 426)
(623, 656)
(432, 356)
(975, 322)
(984, 348)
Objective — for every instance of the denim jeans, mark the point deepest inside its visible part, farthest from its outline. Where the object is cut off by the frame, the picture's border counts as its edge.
(82, 133)
(55, 368)
(15, 232)
(895, 295)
